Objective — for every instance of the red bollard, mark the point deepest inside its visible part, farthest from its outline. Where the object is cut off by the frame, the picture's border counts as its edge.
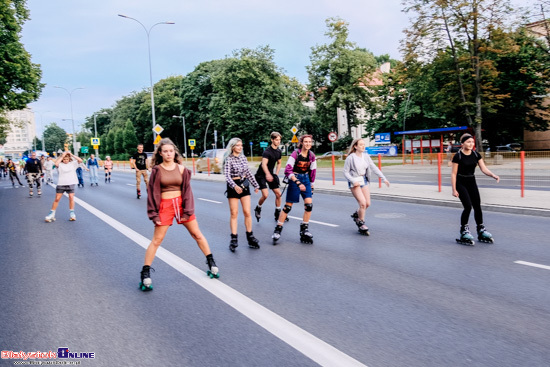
(439, 160)
(333, 174)
(208, 165)
(522, 159)
(194, 165)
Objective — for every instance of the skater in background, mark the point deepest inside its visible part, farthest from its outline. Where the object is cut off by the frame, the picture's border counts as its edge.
(357, 168)
(465, 188)
(48, 167)
(12, 170)
(139, 162)
(66, 179)
(79, 173)
(169, 196)
(93, 166)
(267, 175)
(2, 168)
(239, 178)
(33, 167)
(300, 169)
(108, 167)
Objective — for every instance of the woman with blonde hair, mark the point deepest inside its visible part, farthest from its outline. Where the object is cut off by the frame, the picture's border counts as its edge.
(169, 196)
(238, 178)
(357, 168)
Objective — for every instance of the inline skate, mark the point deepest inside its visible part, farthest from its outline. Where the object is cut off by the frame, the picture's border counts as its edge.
(213, 269)
(362, 227)
(466, 237)
(252, 241)
(72, 216)
(258, 212)
(277, 234)
(50, 217)
(146, 283)
(483, 235)
(234, 243)
(305, 235)
(138, 194)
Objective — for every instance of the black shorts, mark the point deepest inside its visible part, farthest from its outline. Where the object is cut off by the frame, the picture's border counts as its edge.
(232, 194)
(264, 184)
(60, 189)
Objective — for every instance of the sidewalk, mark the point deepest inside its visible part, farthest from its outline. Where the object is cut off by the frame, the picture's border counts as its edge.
(534, 202)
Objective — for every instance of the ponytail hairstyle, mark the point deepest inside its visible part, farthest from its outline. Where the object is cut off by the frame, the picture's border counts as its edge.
(353, 144)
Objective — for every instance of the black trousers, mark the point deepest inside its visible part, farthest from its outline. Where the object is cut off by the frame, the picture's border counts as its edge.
(468, 193)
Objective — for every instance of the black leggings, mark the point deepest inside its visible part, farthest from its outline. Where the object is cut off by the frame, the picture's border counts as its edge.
(468, 194)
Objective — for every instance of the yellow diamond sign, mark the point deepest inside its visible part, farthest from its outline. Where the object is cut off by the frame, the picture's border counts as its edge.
(158, 129)
(294, 129)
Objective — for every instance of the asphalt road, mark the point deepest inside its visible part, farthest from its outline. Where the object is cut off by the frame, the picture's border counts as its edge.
(408, 295)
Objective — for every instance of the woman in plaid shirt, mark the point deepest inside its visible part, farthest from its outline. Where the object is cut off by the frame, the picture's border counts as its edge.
(239, 178)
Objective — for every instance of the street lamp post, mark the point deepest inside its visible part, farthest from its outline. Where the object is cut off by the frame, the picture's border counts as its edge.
(148, 32)
(184, 136)
(42, 127)
(95, 129)
(72, 118)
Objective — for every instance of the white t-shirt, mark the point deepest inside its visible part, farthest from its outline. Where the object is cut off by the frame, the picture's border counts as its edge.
(67, 173)
(48, 165)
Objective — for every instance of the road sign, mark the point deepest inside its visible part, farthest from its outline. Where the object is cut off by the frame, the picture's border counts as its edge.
(332, 136)
(95, 147)
(84, 150)
(263, 144)
(95, 141)
(294, 130)
(294, 139)
(157, 140)
(158, 129)
(191, 142)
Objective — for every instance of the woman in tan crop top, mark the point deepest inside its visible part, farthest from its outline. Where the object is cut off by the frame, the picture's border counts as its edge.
(169, 196)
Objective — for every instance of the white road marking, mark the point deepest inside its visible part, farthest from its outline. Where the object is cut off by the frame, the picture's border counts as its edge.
(314, 221)
(304, 342)
(131, 184)
(520, 262)
(210, 201)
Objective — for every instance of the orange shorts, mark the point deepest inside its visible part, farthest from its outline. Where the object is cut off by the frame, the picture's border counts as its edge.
(170, 209)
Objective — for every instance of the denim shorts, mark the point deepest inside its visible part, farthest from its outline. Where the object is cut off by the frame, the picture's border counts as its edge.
(293, 192)
(363, 184)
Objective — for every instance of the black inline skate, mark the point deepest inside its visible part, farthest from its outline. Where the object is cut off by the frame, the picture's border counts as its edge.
(213, 271)
(252, 241)
(277, 234)
(138, 193)
(146, 283)
(483, 235)
(305, 235)
(362, 227)
(234, 242)
(258, 212)
(466, 237)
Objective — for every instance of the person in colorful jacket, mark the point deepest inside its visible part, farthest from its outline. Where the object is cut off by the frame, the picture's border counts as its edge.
(300, 172)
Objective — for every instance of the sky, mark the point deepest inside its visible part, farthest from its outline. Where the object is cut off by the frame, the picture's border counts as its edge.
(85, 44)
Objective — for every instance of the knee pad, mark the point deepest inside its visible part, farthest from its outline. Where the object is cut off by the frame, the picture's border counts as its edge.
(308, 207)
(287, 208)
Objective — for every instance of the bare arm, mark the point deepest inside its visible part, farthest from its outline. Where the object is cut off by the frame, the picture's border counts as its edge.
(486, 170)
(453, 179)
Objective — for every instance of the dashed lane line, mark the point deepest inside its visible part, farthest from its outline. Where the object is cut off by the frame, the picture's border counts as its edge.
(535, 265)
(210, 201)
(304, 342)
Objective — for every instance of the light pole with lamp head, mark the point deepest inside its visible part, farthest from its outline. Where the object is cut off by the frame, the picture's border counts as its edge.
(72, 118)
(42, 127)
(184, 136)
(148, 32)
(95, 129)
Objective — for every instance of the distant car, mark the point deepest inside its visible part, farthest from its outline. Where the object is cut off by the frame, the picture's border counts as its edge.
(514, 146)
(503, 148)
(328, 155)
(216, 161)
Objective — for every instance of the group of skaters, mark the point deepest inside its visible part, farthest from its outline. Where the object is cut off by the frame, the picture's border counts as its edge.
(169, 193)
(170, 196)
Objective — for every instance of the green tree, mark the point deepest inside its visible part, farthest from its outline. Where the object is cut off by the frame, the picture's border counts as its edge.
(339, 76)
(129, 138)
(19, 77)
(54, 138)
(119, 142)
(110, 142)
(84, 138)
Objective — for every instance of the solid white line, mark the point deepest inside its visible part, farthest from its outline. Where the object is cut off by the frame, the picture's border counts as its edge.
(304, 342)
(210, 201)
(131, 184)
(314, 221)
(532, 264)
